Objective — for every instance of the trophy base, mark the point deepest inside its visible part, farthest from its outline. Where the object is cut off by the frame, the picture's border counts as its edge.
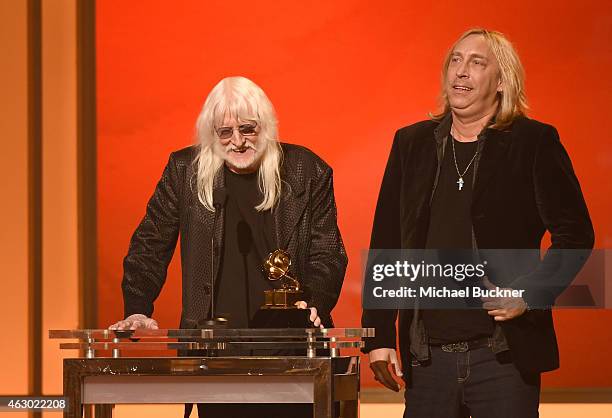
(282, 298)
(279, 317)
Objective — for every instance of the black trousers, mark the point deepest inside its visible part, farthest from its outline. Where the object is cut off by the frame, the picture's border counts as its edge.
(474, 383)
(255, 410)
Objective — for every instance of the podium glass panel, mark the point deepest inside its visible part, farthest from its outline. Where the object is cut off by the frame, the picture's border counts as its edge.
(330, 381)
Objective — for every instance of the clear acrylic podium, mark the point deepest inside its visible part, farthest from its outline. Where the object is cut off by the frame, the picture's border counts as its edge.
(107, 375)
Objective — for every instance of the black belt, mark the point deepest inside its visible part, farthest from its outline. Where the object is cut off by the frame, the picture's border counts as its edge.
(463, 346)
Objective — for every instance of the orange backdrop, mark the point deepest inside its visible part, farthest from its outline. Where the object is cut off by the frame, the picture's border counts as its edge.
(343, 75)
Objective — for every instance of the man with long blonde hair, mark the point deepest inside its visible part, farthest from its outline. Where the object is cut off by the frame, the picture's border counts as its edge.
(478, 175)
(233, 197)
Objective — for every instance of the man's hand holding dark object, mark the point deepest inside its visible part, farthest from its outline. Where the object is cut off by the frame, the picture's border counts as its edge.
(503, 308)
(379, 363)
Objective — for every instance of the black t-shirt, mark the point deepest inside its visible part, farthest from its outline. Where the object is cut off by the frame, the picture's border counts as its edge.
(450, 227)
(247, 242)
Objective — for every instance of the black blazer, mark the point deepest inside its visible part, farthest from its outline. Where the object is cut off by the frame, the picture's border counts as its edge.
(524, 185)
(304, 225)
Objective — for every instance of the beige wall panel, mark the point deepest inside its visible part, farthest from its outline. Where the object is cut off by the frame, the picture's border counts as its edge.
(60, 258)
(14, 195)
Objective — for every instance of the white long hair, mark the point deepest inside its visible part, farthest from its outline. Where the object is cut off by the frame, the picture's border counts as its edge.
(238, 97)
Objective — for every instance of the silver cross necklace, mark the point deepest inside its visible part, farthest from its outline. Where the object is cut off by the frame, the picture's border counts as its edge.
(460, 182)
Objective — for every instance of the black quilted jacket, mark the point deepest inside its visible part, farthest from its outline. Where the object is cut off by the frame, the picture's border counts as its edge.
(304, 221)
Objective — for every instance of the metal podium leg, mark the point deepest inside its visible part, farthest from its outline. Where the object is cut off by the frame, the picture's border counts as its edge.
(72, 390)
(104, 411)
(323, 404)
(349, 409)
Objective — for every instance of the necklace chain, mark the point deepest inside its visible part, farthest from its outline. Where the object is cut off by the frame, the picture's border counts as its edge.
(460, 181)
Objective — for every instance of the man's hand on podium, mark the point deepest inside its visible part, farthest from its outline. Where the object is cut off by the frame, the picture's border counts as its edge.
(314, 316)
(379, 363)
(135, 321)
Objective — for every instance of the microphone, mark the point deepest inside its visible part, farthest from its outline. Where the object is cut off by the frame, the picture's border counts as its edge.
(219, 199)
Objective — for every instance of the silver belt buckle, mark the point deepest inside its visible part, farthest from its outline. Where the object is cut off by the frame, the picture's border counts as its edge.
(461, 347)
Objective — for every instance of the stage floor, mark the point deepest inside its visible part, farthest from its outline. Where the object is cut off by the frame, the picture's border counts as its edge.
(379, 410)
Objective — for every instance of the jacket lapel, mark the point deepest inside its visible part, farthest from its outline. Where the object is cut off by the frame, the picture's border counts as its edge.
(291, 204)
(219, 225)
(495, 147)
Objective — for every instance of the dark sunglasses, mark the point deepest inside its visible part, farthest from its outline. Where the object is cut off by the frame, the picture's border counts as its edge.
(226, 132)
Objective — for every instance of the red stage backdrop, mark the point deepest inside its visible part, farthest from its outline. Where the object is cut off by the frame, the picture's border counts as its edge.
(343, 76)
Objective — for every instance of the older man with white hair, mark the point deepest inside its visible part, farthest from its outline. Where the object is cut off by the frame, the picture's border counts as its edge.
(234, 197)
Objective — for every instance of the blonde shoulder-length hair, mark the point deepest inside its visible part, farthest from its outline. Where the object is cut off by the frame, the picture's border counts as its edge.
(238, 97)
(513, 101)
